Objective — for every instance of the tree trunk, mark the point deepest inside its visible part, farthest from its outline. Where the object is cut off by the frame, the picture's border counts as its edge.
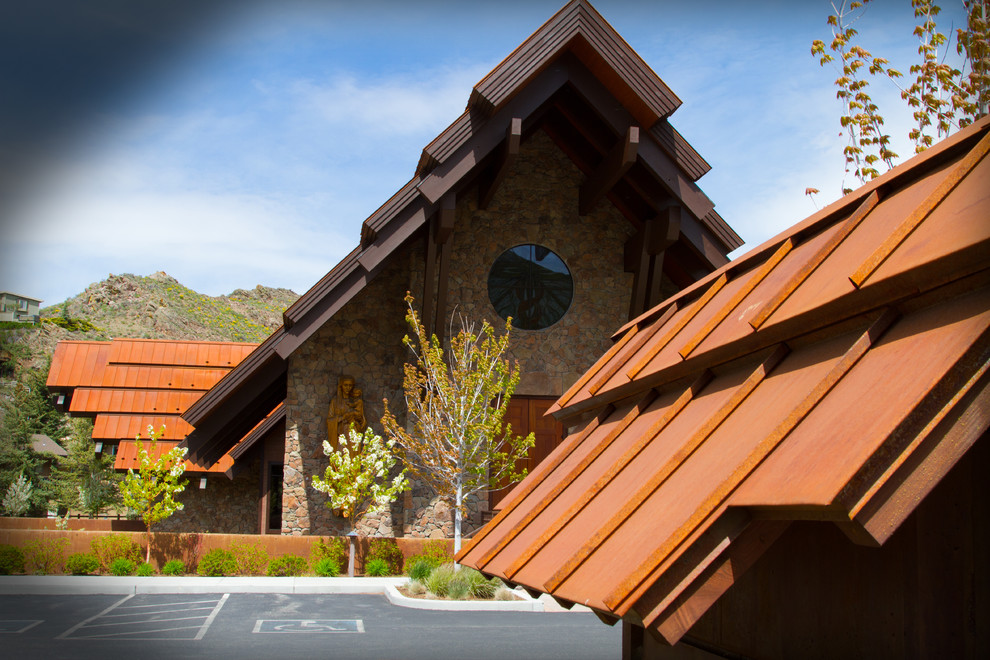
(457, 521)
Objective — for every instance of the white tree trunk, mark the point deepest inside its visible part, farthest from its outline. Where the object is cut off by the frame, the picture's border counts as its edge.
(457, 521)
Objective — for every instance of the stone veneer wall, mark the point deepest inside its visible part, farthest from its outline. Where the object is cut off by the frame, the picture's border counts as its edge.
(363, 340)
(225, 506)
(537, 203)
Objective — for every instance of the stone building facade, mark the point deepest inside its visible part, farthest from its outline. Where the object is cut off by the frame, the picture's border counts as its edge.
(565, 149)
(536, 204)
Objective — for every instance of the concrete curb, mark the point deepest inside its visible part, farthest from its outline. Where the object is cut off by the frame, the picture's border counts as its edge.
(526, 605)
(110, 584)
(55, 585)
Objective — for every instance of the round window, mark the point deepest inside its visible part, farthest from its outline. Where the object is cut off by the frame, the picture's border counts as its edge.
(532, 285)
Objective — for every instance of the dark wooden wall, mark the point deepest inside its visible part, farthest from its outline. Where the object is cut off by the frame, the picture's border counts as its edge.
(815, 594)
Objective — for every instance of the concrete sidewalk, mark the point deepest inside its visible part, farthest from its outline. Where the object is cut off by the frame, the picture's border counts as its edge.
(161, 584)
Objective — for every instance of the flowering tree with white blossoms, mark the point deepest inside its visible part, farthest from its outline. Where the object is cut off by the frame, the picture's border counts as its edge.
(152, 489)
(357, 477)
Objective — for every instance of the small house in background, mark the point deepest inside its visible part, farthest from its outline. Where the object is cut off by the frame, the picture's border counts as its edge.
(562, 197)
(21, 309)
(49, 450)
(788, 459)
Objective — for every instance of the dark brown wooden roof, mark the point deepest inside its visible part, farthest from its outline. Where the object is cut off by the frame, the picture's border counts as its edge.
(568, 75)
(836, 373)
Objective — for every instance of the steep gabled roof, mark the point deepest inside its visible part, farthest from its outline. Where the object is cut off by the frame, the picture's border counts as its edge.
(576, 75)
(835, 373)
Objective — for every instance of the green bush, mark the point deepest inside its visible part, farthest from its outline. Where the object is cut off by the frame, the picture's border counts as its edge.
(47, 555)
(115, 546)
(251, 558)
(82, 563)
(122, 566)
(376, 568)
(419, 568)
(335, 548)
(11, 560)
(287, 565)
(217, 563)
(327, 567)
(145, 569)
(174, 567)
(439, 579)
(388, 551)
(435, 553)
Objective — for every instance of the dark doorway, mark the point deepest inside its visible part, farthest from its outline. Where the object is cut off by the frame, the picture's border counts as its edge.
(526, 414)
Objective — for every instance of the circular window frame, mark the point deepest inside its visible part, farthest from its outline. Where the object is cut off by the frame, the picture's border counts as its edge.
(506, 303)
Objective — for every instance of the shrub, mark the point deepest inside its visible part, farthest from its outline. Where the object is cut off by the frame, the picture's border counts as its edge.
(327, 567)
(435, 553)
(251, 558)
(504, 593)
(174, 567)
(218, 562)
(335, 548)
(376, 568)
(11, 560)
(115, 546)
(388, 551)
(416, 588)
(82, 563)
(287, 565)
(480, 586)
(145, 569)
(458, 588)
(438, 581)
(47, 555)
(419, 568)
(122, 566)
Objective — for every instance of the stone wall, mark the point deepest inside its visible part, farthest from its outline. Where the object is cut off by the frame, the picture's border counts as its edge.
(537, 203)
(225, 506)
(363, 340)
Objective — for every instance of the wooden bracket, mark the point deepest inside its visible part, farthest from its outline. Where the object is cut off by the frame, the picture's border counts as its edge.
(615, 164)
(510, 149)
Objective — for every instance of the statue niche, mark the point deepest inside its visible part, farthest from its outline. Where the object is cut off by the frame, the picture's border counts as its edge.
(346, 410)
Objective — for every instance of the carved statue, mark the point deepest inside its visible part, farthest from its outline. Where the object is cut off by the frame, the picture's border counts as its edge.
(346, 409)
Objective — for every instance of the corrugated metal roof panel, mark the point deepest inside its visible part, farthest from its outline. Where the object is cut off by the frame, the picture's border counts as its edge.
(801, 379)
(127, 458)
(108, 426)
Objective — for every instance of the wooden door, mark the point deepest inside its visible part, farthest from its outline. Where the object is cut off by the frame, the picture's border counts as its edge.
(526, 415)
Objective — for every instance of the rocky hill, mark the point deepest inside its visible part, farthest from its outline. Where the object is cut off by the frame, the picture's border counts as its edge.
(154, 307)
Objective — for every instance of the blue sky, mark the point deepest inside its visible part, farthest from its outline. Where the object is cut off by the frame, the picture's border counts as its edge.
(240, 143)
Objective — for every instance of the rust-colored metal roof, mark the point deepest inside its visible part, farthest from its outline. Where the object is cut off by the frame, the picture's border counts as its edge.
(127, 457)
(128, 384)
(576, 54)
(836, 373)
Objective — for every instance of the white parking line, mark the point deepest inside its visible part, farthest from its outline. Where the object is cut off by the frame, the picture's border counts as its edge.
(213, 615)
(106, 625)
(94, 617)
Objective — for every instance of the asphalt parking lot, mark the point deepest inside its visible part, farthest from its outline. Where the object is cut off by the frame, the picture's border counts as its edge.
(248, 625)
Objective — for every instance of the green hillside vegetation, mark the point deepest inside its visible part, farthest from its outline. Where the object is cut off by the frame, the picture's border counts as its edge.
(121, 306)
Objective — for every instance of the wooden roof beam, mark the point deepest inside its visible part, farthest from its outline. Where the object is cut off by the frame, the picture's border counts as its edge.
(615, 164)
(510, 149)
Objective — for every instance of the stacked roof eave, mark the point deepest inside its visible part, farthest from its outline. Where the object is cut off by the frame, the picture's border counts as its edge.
(835, 373)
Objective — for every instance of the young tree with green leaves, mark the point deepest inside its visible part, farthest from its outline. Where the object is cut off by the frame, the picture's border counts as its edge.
(151, 491)
(943, 98)
(456, 401)
(359, 478)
